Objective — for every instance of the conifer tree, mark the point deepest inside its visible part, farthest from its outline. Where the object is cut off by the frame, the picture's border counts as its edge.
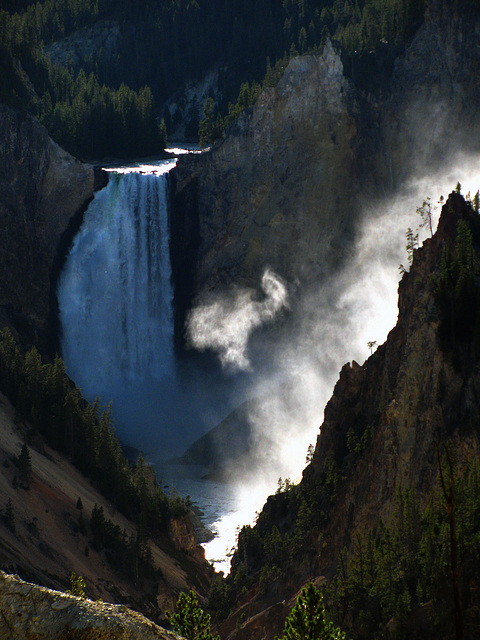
(190, 621)
(307, 621)
(10, 516)
(25, 466)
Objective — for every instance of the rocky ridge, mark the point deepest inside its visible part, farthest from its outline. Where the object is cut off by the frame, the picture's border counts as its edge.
(37, 613)
(379, 436)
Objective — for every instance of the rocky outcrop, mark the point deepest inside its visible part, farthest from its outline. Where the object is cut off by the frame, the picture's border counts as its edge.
(411, 394)
(273, 183)
(99, 43)
(41, 189)
(30, 611)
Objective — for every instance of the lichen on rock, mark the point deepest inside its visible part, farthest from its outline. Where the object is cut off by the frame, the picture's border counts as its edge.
(37, 613)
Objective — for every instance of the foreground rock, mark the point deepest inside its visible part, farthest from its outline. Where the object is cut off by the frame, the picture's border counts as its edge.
(30, 611)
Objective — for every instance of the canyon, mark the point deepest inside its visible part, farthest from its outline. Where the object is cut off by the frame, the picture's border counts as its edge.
(287, 189)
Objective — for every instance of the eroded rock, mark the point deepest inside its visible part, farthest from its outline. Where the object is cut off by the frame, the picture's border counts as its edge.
(37, 613)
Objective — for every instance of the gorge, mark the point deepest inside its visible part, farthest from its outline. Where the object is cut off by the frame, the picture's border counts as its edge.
(242, 283)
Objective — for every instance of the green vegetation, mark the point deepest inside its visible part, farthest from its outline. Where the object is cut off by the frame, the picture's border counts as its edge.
(398, 570)
(265, 550)
(189, 620)
(77, 585)
(24, 463)
(308, 621)
(107, 106)
(406, 566)
(9, 516)
(411, 245)
(425, 211)
(130, 555)
(45, 398)
(457, 291)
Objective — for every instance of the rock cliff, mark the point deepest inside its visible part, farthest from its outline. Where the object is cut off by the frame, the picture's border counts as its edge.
(287, 185)
(271, 185)
(380, 433)
(41, 189)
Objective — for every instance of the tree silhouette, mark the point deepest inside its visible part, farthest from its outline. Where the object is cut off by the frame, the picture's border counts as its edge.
(25, 466)
(10, 516)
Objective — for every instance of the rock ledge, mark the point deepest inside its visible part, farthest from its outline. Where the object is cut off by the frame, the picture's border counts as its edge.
(30, 611)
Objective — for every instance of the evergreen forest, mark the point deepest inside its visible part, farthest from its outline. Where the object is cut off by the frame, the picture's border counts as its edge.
(113, 105)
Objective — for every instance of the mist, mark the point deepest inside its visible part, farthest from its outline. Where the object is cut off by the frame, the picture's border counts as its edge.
(225, 324)
(333, 324)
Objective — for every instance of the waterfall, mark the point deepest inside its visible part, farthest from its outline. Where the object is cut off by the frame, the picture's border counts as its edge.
(115, 297)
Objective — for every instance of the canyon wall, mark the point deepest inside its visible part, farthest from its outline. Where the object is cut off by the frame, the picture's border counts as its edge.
(382, 429)
(41, 189)
(287, 185)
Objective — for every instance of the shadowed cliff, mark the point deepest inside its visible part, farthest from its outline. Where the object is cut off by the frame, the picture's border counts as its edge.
(287, 187)
(378, 448)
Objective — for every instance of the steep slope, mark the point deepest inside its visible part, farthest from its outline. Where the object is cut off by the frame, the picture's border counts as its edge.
(379, 439)
(53, 537)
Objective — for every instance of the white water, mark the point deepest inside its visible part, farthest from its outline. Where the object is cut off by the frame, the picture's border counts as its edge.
(115, 292)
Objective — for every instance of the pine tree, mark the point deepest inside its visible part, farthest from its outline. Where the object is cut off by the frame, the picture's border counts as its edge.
(77, 585)
(25, 466)
(97, 522)
(10, 516)
(307, 621)
(191, 621)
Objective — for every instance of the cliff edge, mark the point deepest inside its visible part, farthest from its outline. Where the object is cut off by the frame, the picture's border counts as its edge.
(372, 491)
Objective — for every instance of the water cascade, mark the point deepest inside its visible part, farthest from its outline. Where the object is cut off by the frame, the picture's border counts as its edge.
(115, 300)
(115, 297)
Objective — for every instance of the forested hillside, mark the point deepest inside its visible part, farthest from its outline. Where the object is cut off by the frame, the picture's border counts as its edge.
(106, 105)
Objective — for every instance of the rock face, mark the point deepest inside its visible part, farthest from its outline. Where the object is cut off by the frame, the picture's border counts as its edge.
(286, 187)
(269, 187)
(382, 425)
(41, 188)
(30, 611)
(410, 394)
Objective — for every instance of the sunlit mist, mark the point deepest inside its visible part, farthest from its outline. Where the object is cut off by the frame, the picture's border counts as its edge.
(345, 318)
